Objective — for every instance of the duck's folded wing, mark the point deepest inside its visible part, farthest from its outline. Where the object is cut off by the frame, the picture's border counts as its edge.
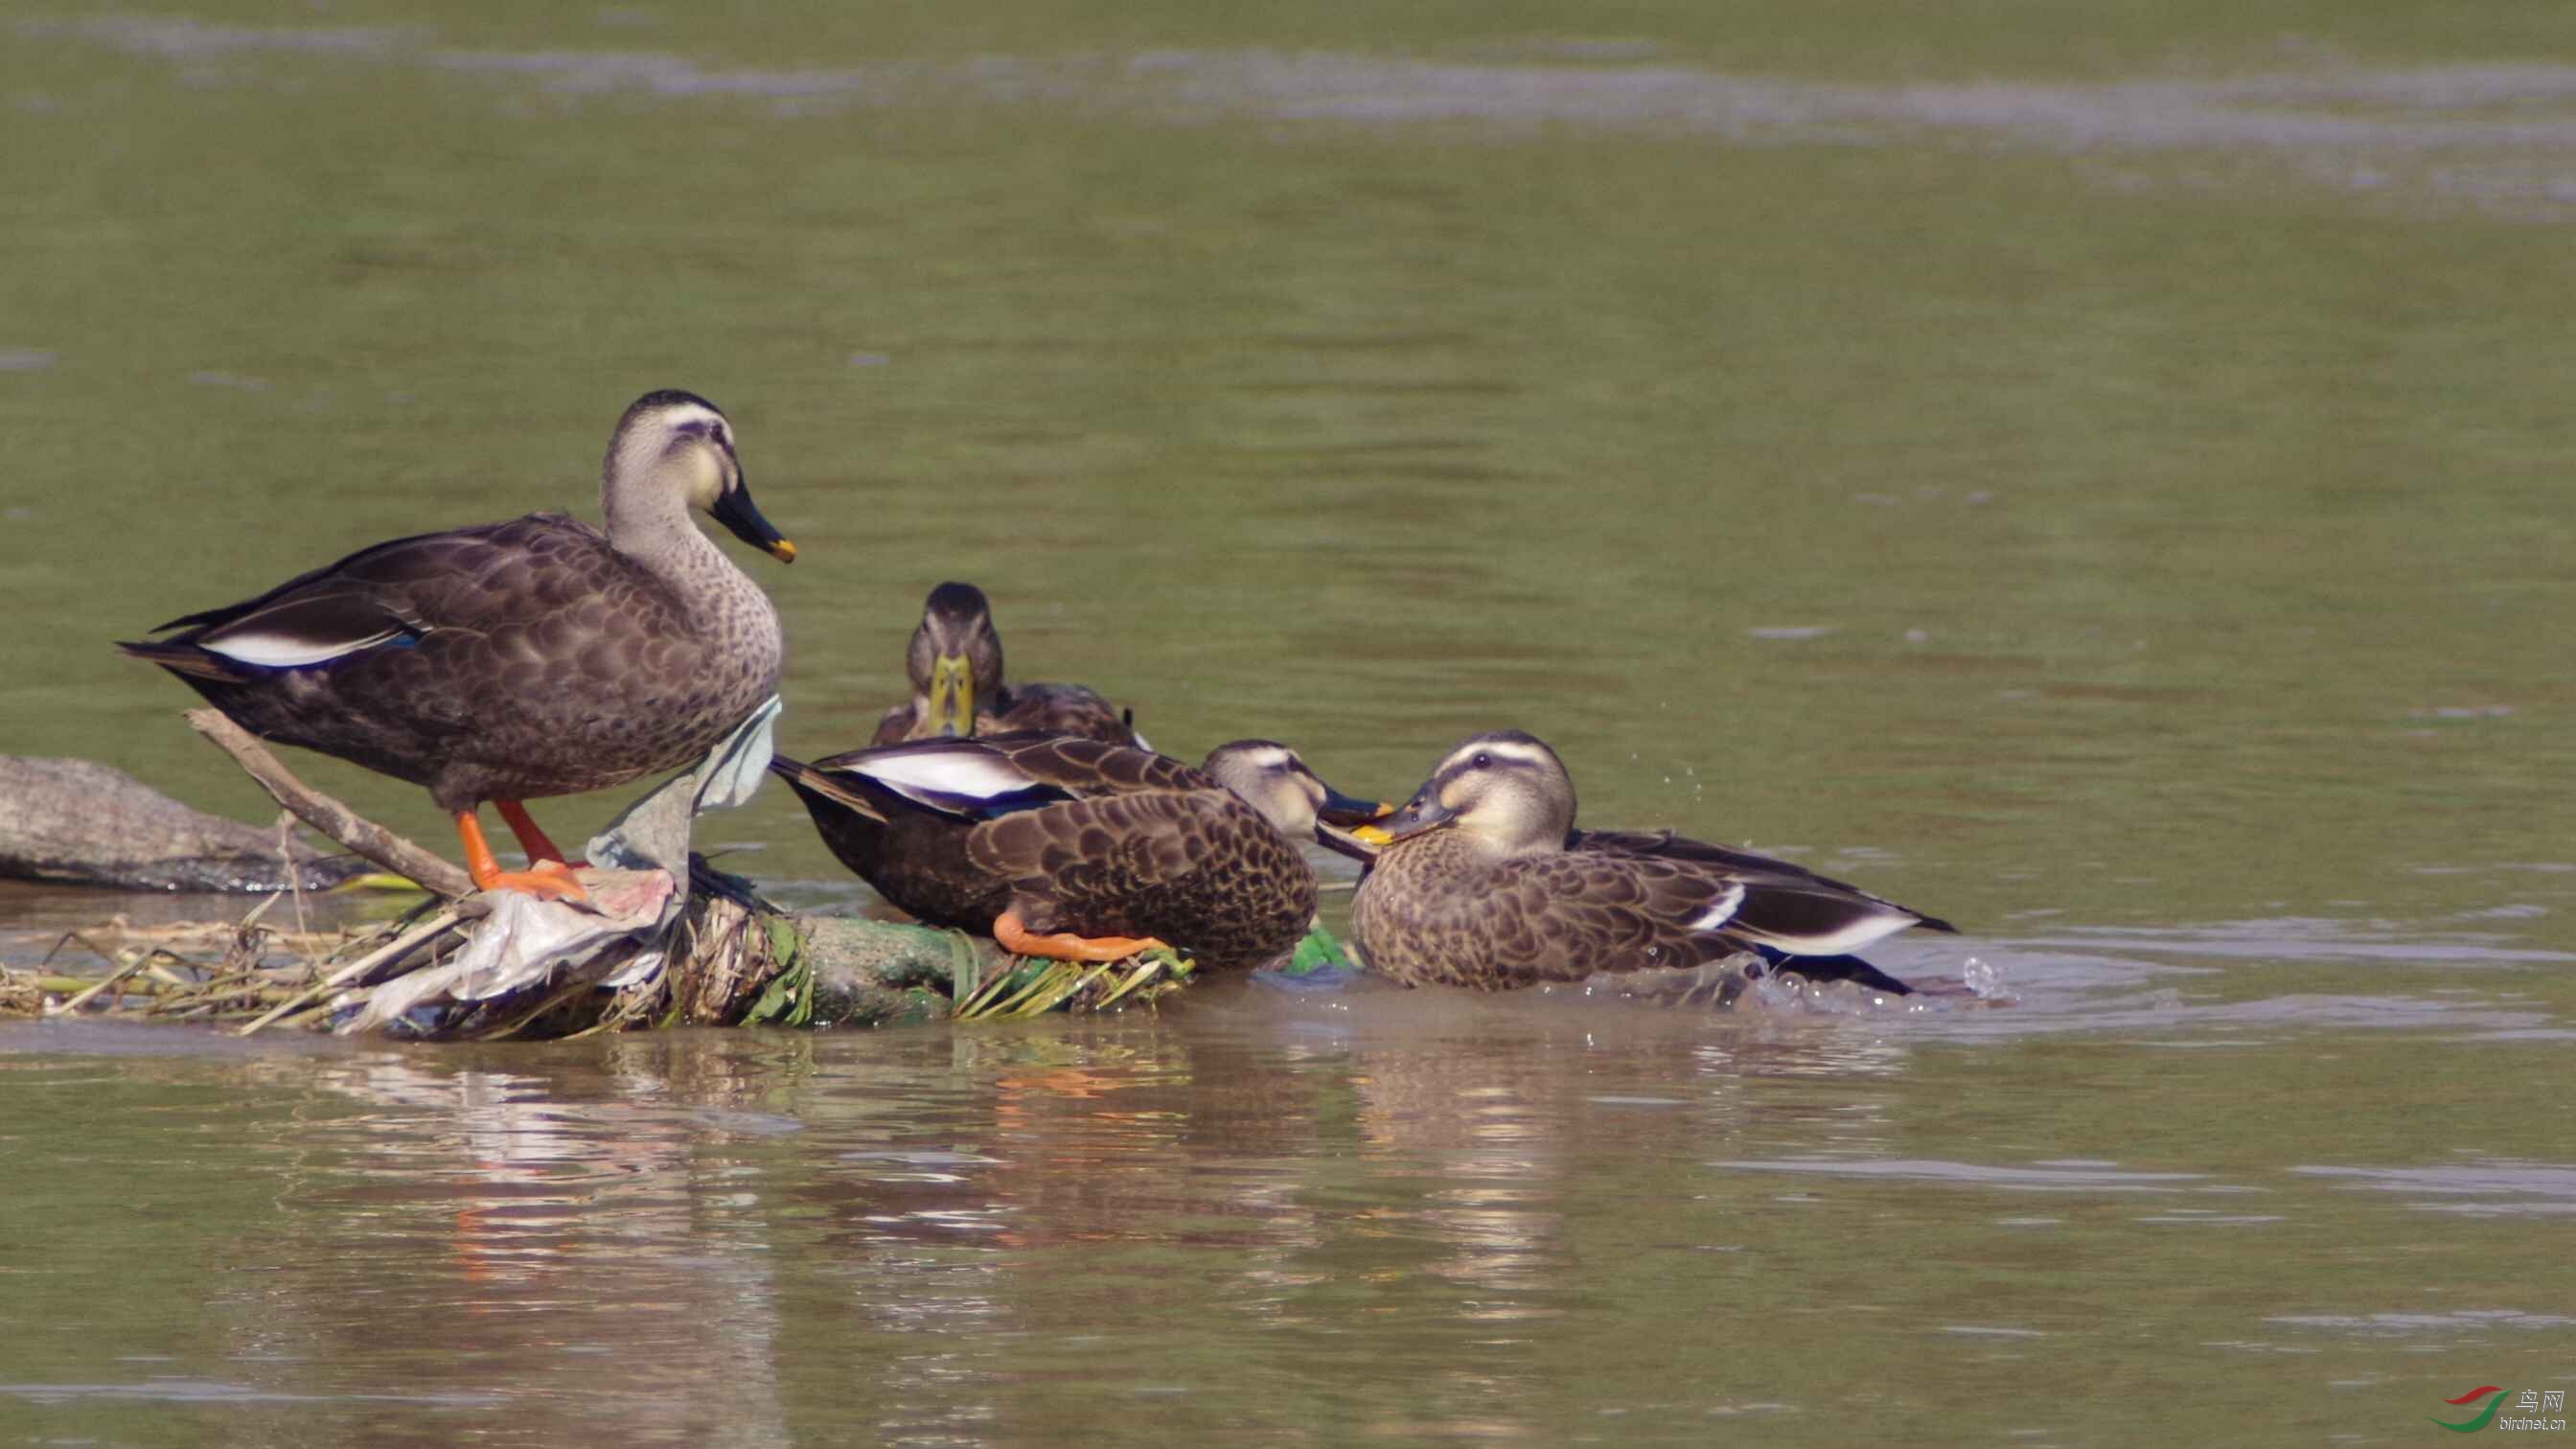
(450, 567)
(1796, 913)
(967, 778)
(1105, 848)
(1093, 768)
(392, 595)
(1779, 877)
(315, 626)
(373, 599)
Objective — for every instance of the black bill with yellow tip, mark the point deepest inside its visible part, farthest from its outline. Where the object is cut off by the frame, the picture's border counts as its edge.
(735, 511)
(1350, 842)
(1341, 809)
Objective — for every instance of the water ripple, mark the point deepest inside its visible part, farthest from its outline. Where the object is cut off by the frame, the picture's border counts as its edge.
(2508, 1189)
(1970, 1174)
(2461, 131)
(2425, 1323)
(203, 1391)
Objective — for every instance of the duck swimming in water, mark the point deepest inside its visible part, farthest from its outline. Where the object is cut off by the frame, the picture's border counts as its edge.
(515, 660)
(955, 664)
(1482, 880)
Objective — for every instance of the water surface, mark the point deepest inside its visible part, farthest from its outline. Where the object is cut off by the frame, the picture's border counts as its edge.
(2096, 472)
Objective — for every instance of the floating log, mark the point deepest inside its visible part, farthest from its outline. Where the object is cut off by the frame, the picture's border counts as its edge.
(77, 822)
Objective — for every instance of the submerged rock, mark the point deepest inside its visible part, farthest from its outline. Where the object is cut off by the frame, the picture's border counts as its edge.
(77, 822)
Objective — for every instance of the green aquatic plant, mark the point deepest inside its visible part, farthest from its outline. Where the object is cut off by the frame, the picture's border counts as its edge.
(1033, 986)
(788, 999)
(1318, 953)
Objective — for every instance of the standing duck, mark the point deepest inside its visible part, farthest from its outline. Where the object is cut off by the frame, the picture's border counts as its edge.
(955, 662)
(1481, 880)
(1083, 851)
(515, 660)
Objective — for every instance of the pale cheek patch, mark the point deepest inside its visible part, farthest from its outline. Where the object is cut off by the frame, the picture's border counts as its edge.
(708, 483)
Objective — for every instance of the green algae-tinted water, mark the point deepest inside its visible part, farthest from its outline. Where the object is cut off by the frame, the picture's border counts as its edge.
(2099, 473)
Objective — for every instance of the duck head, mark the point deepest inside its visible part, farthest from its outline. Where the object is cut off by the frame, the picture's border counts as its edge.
(955, 661)
(674, 443)
(1504, 790)
(1269, 777)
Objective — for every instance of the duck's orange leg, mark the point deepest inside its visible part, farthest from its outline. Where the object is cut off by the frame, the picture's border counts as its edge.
(1018, 940)
(489, 876)
(531, 839)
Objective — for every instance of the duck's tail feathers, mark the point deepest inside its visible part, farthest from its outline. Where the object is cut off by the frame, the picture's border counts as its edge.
(1805, 918)
(185, 659)
(813, 784)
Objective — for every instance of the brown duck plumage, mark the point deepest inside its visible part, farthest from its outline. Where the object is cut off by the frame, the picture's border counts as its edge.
(1484, 882)
(955, 664)
(1073, 835)
(514, 660)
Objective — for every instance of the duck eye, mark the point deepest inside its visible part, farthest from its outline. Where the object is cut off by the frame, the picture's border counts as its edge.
(1482, 762)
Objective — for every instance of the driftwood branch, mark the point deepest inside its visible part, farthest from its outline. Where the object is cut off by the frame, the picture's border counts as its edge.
(359, 835)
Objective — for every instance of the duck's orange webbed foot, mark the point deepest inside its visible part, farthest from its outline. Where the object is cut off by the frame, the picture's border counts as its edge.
(552, 879)
(1020, 941)
(540, 882)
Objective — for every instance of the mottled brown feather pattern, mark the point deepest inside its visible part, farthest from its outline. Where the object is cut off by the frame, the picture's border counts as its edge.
(547, 662)
(1088, 768)
(1432, 912)
(1149, 847)
(1200, 869)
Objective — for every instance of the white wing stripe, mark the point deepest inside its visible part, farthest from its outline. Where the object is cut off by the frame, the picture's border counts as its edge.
(1720, 910)
(289, 651)
(1873, 927)
(975, 776)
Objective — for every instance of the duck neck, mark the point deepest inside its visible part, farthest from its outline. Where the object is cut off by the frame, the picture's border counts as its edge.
(1494, 850)
(1293, 824)
(649, 522)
